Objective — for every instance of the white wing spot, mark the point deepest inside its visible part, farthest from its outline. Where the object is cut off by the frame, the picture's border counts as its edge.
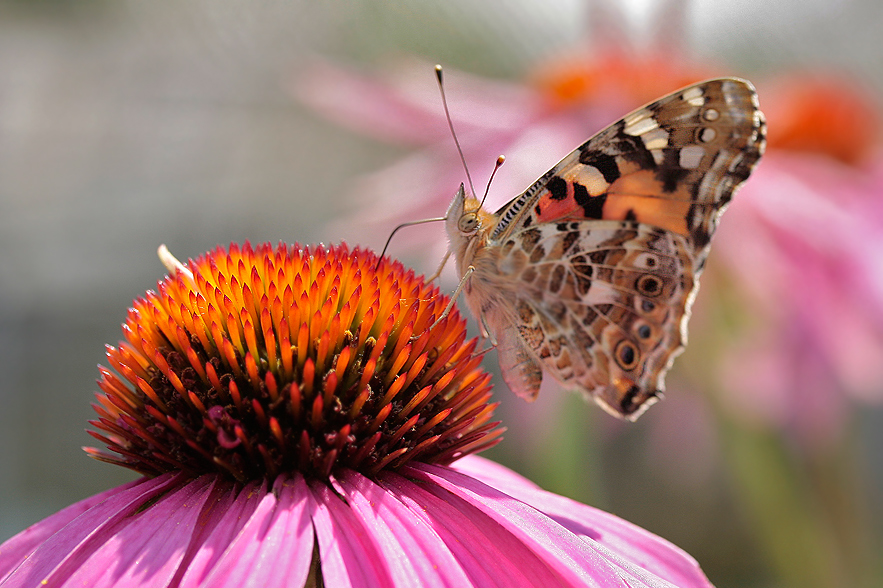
(711, 114)
(732, 90)
(694, 96)
(736, 162)
(635, 116)
(640, 125)
(590, 177)
(707, 135)
(657, 139)
(691, 156)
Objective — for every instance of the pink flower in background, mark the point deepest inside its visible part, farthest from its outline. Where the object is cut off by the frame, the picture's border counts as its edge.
(533, 124)
(406, 109)
(292, 432)
(806, 251)
(801, 245)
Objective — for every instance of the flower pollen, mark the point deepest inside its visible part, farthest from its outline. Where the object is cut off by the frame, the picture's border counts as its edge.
(257, 361)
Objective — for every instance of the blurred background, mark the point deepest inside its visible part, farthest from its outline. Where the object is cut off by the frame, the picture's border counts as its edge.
(124, 125)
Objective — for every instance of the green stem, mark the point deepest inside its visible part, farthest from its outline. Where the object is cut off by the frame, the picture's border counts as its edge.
(795, 526)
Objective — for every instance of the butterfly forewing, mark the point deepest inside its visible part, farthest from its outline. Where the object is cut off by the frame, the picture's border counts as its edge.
(667, 164)
(590, 273)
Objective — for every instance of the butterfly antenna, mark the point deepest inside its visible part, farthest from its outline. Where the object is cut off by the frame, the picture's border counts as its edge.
(401, 226)
(500, 160)
(441, 88)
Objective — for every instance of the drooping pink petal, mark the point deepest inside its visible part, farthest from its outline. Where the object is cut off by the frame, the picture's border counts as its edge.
(137, 546)
(149, 547)
(230, 512)
(60, 554)
(18, 547)
(487, 552)
(638, 551)
(415, 553)
(490, 472)
(577, 561)
(275, 547)
(426, 526)
(348, 554)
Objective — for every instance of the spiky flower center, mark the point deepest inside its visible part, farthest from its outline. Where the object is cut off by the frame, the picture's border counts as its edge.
(257, 361)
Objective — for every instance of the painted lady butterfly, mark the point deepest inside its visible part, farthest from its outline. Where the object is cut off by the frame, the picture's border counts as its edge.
(591, 272)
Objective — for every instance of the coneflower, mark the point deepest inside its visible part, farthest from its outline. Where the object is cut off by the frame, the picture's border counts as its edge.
(296, 414)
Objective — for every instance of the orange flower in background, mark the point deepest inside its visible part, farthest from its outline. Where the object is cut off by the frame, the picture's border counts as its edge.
(574, 81)
(824, 114)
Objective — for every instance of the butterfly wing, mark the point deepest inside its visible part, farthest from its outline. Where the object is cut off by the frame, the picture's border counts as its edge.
(607, 247)
(600, 306)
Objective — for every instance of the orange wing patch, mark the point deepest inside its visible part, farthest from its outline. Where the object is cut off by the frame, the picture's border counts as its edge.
(640, 197)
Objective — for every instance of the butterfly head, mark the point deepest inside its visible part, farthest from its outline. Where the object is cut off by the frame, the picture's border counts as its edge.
(468, 223)
(465, 216)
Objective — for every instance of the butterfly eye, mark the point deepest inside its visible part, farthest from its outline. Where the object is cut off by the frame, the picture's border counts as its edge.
(626, 354)
(468, 223)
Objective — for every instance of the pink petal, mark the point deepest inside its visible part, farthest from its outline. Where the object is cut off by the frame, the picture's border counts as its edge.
(59, 555)
(564, 552)
(442, 528)
(806, 230)
(17, 548)
(148, 547)
(363, 105)
(228, 515)
(407, 108)
(415, 554)
(275, 546)
(490, 472)
(347, 550)
(488, 553)
(581, 541)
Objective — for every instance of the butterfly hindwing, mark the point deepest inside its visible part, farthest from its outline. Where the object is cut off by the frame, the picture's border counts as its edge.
(600, 305)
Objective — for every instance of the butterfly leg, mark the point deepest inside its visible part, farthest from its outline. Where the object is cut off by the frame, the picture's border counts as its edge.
(441, 266)
(486, 331)
(492, 342)
(450, 305)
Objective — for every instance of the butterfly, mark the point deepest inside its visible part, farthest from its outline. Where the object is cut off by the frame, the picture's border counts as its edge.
(589, 275)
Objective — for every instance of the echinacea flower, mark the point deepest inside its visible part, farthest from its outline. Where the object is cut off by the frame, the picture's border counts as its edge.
(304, 417)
